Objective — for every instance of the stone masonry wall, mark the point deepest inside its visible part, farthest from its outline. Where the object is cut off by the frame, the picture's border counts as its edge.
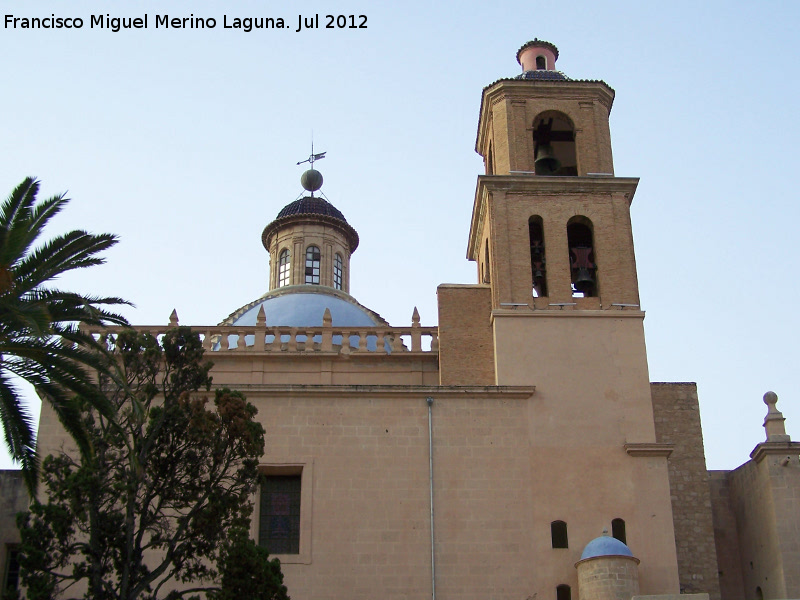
(726, 537)
(608, 578)
(677, 421)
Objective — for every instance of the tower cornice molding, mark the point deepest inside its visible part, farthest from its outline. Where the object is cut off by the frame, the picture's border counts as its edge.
(344, 228)
(522, 89)
(532, 185)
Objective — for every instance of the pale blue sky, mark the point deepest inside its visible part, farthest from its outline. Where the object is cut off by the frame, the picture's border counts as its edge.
(184, 143)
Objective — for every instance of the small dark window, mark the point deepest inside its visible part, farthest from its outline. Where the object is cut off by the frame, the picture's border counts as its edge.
(558, 533)
(541, 65)
(563, 592)
(11, 579)
(487, 274)
(312, 265)
(279, 514)
(618, 530)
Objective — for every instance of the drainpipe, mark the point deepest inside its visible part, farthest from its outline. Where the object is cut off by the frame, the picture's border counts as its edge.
(429, 400)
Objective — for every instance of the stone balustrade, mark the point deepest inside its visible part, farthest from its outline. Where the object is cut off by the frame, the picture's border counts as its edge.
(325, 338)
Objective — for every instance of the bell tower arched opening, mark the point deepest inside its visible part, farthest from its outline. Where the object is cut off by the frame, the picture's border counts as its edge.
(538, 264)
(583, 269)
(554, 145)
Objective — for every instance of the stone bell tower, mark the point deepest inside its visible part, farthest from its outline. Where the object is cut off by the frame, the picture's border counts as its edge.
(557, 307)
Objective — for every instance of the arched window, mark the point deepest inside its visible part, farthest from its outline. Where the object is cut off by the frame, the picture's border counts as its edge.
(284, 269)
(554, 145)
(538, 270)
(337, 271)
(558, 534)
(490, 161)
(541, 63)
(583, 268)
(487, 274)
(312, 265)
(563, 592)
(618, 530)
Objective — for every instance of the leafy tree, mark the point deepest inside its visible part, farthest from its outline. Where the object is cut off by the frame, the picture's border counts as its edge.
(39, 336)
(164, 501)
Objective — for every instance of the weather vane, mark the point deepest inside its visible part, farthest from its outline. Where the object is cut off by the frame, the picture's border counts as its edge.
(313, 157)
(311, 180)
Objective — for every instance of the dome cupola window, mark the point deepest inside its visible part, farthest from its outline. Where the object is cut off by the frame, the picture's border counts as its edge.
(312, 265)
(337, 271)
(284, 269)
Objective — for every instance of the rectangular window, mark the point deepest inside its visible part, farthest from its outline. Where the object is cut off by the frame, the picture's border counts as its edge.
(279, 514)
(11, 578)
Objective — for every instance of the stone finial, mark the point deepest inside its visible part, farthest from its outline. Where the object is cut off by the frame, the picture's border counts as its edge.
(327, 320)
(173, 318)
(415, 318)
(261, 317)
(773, 422)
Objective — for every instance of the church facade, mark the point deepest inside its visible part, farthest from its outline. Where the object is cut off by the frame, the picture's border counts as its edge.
(517, 450)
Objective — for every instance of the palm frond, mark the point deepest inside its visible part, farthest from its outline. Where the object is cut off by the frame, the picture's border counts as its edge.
(18, 430)
(40, 338)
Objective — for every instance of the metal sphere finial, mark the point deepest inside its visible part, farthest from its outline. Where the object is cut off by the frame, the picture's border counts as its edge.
(311, 180)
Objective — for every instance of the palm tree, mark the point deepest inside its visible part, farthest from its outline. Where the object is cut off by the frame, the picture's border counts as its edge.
(40, 338)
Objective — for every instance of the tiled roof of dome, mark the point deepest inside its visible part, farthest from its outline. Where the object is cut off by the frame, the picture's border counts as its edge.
(543, 74)
(310, 205)
(538, 43)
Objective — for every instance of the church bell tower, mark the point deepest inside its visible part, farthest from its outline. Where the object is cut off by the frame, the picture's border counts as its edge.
(556, 307)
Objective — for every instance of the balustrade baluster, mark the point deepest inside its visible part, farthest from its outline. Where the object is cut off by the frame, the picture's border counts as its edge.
(276, 342)
(380, 344)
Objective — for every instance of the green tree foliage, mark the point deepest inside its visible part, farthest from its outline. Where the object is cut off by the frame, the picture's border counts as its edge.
(164, 500)
(39, 336)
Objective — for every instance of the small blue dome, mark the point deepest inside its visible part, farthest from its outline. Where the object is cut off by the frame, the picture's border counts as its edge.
(605, 545)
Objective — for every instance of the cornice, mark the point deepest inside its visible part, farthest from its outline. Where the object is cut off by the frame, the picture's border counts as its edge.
(545, 89)
(532, 185)
(347, 230)
(765, 449)
(556, 312)
(505, 392)
(648, 449)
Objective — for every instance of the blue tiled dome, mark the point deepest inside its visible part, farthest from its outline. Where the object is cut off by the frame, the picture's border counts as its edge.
(605, 545)
(304, 306)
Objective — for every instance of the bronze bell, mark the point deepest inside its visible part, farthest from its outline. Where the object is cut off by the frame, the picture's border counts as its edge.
(546, 162)
(584, 280)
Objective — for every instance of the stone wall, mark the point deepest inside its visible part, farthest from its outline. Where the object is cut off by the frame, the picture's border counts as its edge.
(608, 578)
(726, 537)
(677, 421)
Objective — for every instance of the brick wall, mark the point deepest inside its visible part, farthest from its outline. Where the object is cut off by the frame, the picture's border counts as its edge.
(466, 346)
